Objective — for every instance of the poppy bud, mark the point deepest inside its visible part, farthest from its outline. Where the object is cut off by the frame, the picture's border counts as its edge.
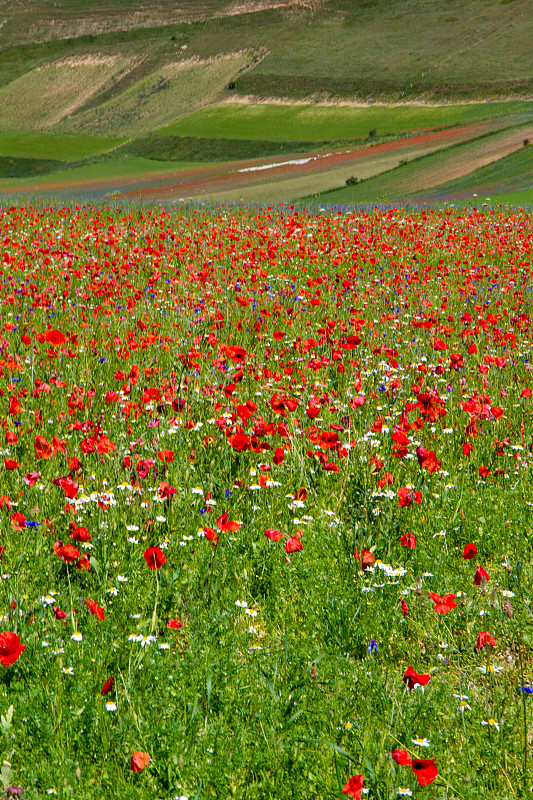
(108, 685)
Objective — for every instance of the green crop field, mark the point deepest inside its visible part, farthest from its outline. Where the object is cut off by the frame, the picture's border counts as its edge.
(319, 123)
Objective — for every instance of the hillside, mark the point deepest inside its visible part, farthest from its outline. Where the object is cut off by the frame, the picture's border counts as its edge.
(119, 71)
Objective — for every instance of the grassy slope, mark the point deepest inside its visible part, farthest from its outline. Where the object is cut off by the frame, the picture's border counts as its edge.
(514, 171)
(390, 47)
(169, 92)
(330, 48)
(520, 198)
(41, 97)
(191, 148)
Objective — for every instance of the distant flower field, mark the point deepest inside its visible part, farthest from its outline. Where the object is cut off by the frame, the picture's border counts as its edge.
(266, 503)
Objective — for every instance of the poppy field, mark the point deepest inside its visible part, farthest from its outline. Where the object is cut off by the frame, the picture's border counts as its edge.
(266, 503)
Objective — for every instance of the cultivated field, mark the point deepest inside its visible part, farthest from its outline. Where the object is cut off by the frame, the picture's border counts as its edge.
(187, 83)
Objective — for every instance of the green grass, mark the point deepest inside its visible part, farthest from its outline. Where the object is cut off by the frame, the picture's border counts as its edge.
(190, 148)
(439, 47)
(63, 147)
(319, 123)
(519, 198)
(27, 167)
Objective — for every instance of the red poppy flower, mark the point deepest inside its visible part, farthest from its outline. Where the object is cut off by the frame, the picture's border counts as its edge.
(166, 456)
(74, 464)
(443, 604)
(10, 463)
(408, 540)
(108, 686)
(279, 456)
(210, 534)
(166, 490)
(366, 558)
(139, 761)
(43, 448)
(95, 608)
(105, 445)
(405, 608)
(485, 638)
(174, 623)
(154, 557)
(240, 442)
(428, 459)
(55, 337)
(273, 534)
(68, 553)
(425, 770)
(78, 533)
(479, 576)
(412, 678)
(14, 407)
(483, 472)
(225, 524)
(406, 497)
(354, 786)
(470, 551)
(10, 648)
(293, 545)
(17, 521)
(402, 757)
(467, 449)
(58, 614)
(235, 353)
(84, 563)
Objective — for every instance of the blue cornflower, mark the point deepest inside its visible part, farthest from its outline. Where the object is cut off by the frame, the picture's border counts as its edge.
(527, 689)
(30, 523)
(102, 360)
(372, 647)
(227, 493)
